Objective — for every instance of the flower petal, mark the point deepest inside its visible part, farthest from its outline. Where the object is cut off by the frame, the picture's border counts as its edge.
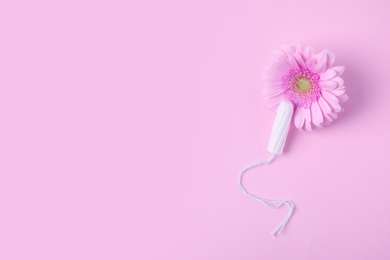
(292, 63)
(331, 59)
(278, 54)
(299, 117)
(299, 60)
(338, 91)
(333, 115)
(300, 48)
(272, 91)
(316, 114)
(307, 119)
(309, 63)
(328, 84)
(327, 119)
(308, 53)
(272, 80)
(326, 110)
(269, 71)
(330, 98)
(324, 106)
(343, 98)
(273, 102)
(328, 74)
(320, 63)
(339, 69)
(336, 107)
(279, 68)
(288, 49)
(340, 81)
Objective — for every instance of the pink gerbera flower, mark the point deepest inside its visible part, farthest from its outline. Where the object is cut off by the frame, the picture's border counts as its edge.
(309, 81)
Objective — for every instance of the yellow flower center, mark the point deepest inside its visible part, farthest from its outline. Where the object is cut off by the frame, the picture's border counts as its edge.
(303, 84)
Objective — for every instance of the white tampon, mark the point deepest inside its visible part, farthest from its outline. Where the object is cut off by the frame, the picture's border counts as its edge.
(281, 127)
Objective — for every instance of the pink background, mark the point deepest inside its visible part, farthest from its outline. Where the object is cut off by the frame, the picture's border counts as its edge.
(124, 125)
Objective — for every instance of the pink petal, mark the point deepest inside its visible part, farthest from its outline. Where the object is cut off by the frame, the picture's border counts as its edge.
(328, 84)
(288, 49)
(278, 54)
(343, 98)
(326, 110)
(273, 102)
(338, 91)
(341, 87)
(320, 63)
(339, 69)
(339, 81)
(324, 106)
(299, 117)
(330, 98)
(336, 107)
(333, 115)
(292, 63)
(328, 74)
(308, 53)
(300, 48)
(273, 80)
(310, 63)
(280, 68)
(269, 71)
(299, 60)
(272, 91)
(307, 119)
(331, 59)
(316, 114)
(327, 119)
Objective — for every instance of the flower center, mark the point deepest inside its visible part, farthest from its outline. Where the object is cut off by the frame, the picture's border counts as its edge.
(303, 84)
(301, 87)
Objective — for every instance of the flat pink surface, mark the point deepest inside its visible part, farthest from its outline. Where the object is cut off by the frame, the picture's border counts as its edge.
(124, 125)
